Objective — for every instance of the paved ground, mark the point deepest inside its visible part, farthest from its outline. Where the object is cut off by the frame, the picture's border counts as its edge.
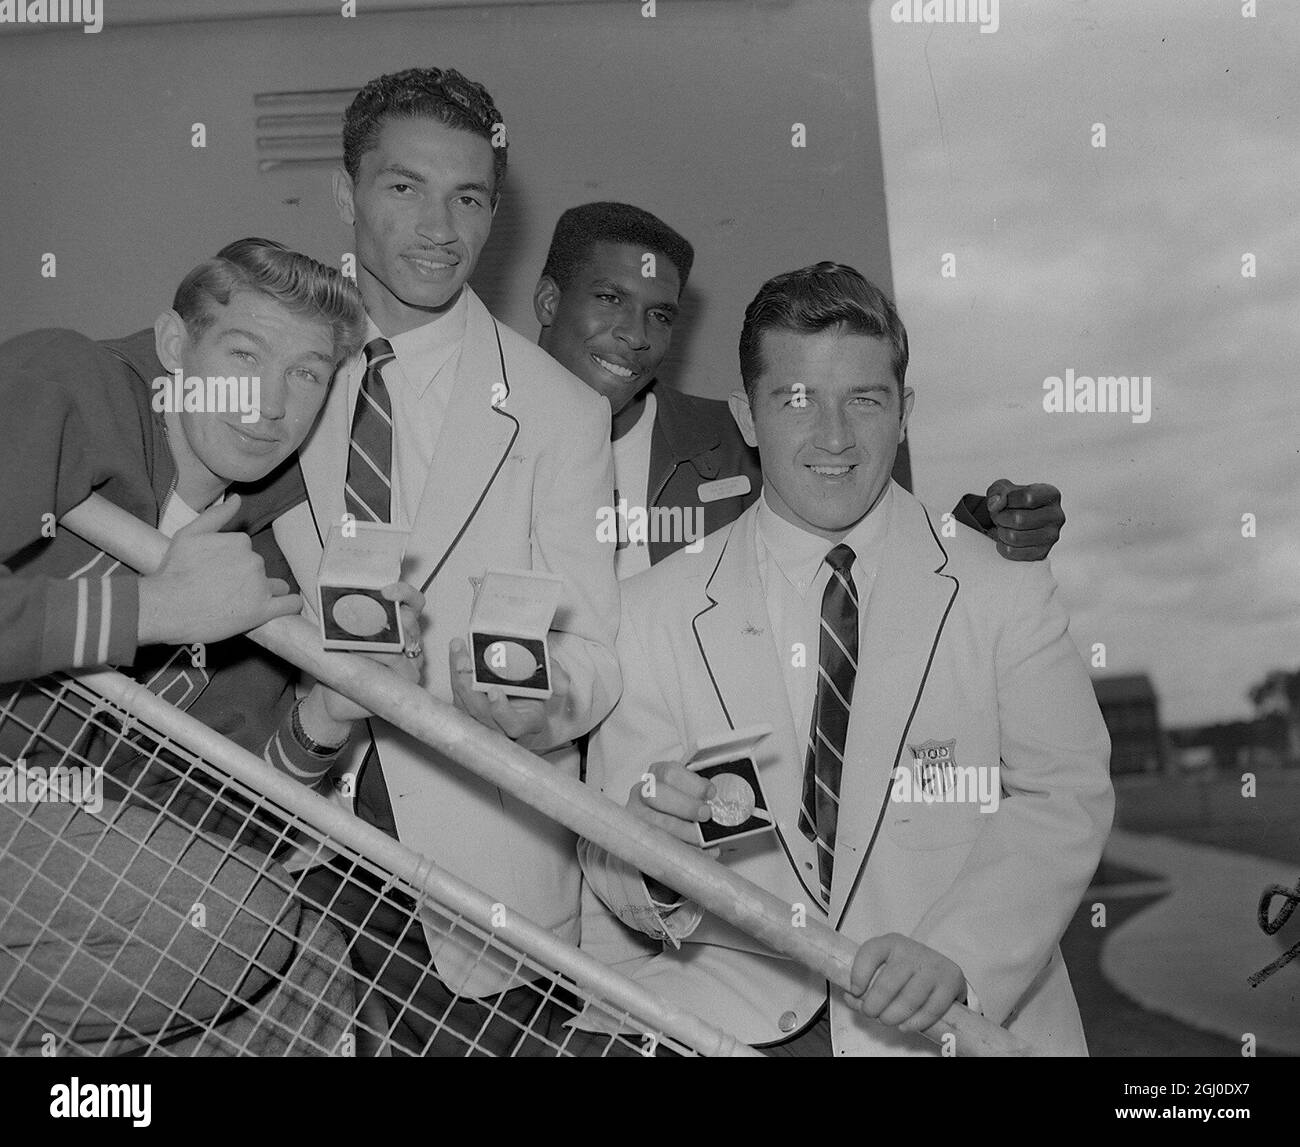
(1188, 954)
(1115, 1025)
(1181, 881)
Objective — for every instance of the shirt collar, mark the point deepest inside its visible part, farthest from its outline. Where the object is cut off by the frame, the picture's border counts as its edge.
(799, 554)
(424, 350)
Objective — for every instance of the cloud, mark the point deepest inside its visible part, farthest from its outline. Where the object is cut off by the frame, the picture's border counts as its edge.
(1119, 261)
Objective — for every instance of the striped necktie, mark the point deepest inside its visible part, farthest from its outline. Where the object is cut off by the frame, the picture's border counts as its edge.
(837, 666)
(368, 488)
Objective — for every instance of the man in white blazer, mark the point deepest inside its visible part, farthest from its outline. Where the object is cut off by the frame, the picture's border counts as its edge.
(495, 458)
(953, 822)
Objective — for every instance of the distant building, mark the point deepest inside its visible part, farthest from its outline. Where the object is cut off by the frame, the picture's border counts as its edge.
(1132, 714)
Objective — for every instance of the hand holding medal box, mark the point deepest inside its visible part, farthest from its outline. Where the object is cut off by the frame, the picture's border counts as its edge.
(360, 559)
(512, 615)
(739, 806)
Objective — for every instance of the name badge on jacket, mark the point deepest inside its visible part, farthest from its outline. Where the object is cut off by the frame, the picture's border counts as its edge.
(723, 488)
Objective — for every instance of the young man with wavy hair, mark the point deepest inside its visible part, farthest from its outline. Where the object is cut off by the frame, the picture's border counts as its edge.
(91, 895)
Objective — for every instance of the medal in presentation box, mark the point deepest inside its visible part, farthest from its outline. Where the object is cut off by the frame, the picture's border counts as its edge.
(359, 560)
(512, 615)
(740, 806)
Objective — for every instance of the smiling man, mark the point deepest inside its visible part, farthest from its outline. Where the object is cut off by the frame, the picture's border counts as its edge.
(607, 301)
(885, 655)
(86, 417)
(493, 457)
(101, 417)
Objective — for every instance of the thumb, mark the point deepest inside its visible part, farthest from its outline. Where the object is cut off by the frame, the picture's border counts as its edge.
(870, 956)
(286, 605)
(214, 519)
(997, 494)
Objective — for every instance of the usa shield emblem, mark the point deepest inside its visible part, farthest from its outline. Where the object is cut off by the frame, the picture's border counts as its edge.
(934, 764)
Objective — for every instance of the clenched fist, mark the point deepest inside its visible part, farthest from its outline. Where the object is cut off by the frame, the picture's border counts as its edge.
(903, 983)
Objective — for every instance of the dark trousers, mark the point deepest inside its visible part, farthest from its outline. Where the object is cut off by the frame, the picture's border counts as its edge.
(98, 942)
(401, 993)
(593, 1045)
(814, 1042)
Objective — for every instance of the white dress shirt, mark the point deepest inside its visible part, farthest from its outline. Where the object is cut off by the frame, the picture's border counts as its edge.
(420, 385)
(794, 572)
(632, 485)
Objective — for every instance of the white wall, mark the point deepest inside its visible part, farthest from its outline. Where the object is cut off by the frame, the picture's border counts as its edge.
(688, 114)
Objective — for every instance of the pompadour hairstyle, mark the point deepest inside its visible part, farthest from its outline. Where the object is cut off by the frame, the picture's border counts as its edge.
(441, 94)
(818, 298)
(298, 281)
(581, 228)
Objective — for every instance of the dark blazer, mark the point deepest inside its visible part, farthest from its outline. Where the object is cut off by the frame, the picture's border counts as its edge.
(696, 441)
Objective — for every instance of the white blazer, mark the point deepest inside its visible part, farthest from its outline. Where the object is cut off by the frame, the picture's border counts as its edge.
(514, 483)
(959, 648)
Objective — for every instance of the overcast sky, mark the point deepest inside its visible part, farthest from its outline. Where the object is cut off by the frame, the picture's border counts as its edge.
(1118, 261)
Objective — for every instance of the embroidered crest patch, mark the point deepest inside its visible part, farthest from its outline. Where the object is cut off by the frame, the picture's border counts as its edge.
(934, 765)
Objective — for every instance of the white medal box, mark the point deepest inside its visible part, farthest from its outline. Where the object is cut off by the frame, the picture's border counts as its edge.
(361, 558)
(508, 627)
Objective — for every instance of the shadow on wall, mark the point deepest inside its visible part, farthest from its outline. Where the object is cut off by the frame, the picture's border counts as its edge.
(504, 264)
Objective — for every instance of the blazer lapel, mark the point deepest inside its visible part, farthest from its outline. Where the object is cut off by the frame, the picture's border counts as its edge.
(736, 642)
(476, 435)
(906, 611)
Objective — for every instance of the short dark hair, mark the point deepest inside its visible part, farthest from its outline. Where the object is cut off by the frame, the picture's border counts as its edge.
(297, 281)
(815, 299)
(441, 94)
(579, 229)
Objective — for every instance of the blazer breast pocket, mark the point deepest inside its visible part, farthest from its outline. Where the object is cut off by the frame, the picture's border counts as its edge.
(936, 801)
